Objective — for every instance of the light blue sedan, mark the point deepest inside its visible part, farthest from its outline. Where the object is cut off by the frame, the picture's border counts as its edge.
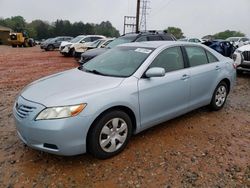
(97, 107)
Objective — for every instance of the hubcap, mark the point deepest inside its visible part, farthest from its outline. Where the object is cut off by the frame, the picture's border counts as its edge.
(220, 96)
(113, 135)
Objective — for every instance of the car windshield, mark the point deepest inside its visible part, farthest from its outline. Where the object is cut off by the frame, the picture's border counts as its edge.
(118, 62)
(121, 40)
(76, 39)
(48, 40)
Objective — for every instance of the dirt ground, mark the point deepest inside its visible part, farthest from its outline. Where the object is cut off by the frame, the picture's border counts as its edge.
(199, 149)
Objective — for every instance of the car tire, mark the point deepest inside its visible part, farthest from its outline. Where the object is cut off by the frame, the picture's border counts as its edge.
(50, 47)
(73, 52)
(219, 96)
(109, 134)
(239, 71)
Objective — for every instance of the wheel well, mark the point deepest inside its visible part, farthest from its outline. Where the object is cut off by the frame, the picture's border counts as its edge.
(227, 81)
(121, 108)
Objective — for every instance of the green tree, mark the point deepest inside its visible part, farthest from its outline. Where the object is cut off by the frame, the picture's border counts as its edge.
(177, 32)
(106, 28)
(226, 34)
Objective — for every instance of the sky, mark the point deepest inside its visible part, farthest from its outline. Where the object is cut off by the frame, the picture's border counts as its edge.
(196, 18)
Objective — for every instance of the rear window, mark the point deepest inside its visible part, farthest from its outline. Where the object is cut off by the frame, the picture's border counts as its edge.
(154, 38)
(196, 56)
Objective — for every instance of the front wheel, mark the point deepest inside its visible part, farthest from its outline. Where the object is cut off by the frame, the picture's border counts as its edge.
(219, 96)
(50, 48)
(109, 135)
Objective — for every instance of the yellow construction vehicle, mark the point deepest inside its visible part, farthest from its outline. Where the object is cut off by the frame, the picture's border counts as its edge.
(19, 39)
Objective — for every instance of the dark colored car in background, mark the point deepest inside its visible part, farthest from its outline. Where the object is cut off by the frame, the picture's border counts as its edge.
(224, 47)
(54, 43)
(127, 38)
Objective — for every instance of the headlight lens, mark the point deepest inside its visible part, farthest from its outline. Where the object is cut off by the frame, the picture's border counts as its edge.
(68, 45)
(60, 112)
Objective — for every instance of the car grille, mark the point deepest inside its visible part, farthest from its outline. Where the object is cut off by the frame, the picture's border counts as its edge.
(23, 111)
(246, 55)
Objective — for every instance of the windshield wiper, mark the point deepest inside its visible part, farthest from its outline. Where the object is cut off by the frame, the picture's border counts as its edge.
(93, 71)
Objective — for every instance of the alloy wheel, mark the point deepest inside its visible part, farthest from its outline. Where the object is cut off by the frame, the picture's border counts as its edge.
(113, 135)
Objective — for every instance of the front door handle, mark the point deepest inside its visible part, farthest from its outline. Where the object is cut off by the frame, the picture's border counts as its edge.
(185, 77)
(217, 67)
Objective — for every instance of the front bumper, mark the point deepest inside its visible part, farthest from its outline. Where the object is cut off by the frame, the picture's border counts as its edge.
(61, 136)
(65, 50)
(245, 65)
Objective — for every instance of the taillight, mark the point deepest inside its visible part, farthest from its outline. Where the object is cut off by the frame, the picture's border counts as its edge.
(235, 65)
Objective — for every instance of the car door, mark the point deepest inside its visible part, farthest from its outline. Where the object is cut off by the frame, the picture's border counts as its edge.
(58, 42)
(204, 71)
(162, 98)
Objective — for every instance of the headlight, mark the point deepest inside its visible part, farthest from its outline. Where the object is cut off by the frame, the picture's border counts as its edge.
(238, 51)
(68, 45)
(60, 112)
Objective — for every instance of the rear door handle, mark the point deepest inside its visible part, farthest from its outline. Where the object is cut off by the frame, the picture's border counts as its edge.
(185, 77)
(217, 67)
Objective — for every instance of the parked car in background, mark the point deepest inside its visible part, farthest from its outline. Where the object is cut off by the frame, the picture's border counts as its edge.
(127, 38)
(54, 43)
(97, 107)
(242, 55)
(238, 41)
(100, 43)
(68, 48)
(196, 40)
(224, 47)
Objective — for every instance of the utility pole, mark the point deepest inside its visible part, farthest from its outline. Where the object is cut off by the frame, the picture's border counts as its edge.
(137, 16)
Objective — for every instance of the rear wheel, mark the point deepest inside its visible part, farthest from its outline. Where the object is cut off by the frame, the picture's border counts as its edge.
(50, 47)
(25, 44)
(14, 45)
(109, 135)
(219, 96)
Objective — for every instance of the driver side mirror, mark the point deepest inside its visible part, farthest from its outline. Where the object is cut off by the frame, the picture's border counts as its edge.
(155, 72)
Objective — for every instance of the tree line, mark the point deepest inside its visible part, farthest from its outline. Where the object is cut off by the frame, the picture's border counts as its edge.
(39, 29)
(177, 32)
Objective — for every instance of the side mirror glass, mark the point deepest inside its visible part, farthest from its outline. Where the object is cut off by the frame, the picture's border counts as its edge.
(155, 72)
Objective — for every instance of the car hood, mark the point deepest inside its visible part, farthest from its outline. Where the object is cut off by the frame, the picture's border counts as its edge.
(244, 48)
(80, 45)
(94, 52)
(67, 88)
(64, 43)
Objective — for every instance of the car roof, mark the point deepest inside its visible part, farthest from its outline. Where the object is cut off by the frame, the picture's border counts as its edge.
(156, 44)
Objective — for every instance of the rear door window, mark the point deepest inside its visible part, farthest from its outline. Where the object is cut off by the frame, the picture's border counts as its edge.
(211, 57)
(196, 56)
(87, 39)
(95, 38)
(154, 38)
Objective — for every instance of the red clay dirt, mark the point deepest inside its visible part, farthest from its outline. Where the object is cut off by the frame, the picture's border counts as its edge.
(199, 149)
